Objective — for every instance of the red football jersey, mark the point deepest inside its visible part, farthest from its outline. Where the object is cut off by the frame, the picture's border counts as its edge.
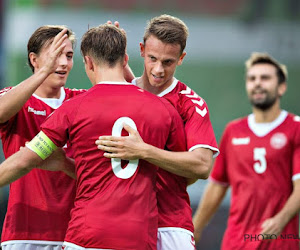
(115, 206)
(259, 162)
(39, 203)
(173, 200)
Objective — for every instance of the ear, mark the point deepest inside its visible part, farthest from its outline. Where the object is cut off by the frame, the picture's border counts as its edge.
(142, 50)
(181, 58)
(33, 59)
(282, 89)
(126, 58)
(89, 63)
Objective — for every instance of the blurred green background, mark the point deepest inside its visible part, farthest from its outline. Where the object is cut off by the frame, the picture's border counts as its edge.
(223, 34)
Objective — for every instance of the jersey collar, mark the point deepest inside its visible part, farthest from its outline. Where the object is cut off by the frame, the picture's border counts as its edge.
(53, 102)
(166, 91)
(262, 129)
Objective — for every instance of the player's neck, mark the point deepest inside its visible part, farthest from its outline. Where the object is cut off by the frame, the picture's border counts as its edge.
(267, 116)
(144, 83)
(107, 74)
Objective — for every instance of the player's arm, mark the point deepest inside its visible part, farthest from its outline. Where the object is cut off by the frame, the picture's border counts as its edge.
(193, 164)
(12, 101)
(276, 224)
(58, 161)
(210, 202)
(18, 165)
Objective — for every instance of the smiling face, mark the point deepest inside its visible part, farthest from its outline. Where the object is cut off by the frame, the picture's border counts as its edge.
(57, 79)
(262, 85)
(160, 62)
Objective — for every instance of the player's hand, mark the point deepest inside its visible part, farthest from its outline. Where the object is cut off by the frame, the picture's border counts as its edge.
(117, 24)
(55, 162)
(197, 236)
(123, 147)
(272, 226)
(50, 62)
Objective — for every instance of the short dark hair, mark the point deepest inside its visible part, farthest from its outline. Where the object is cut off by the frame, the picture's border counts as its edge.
(104, 43)
(168, 29)
(43, 36)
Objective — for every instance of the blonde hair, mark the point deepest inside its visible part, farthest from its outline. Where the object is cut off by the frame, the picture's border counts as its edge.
(259, 58)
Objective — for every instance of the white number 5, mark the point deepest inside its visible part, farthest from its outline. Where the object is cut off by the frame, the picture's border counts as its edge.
(260, 156)
(129, 170)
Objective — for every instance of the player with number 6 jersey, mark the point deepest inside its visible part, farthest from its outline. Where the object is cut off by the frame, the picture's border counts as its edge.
(163, 50)
(115, 205)
(114, 202)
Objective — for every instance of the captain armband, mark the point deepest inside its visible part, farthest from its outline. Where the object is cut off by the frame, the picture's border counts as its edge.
(42, 145)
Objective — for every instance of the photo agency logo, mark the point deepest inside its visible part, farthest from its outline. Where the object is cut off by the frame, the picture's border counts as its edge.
(261, 237)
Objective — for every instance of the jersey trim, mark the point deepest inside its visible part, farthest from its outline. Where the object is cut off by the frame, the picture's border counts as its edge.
(42, 145)
(215, 150)
(178, 229)
(53, 102)
(34, 242)
(225, 184)
(262, 129)
(68, 244)
(111, 82)
(296, 177)
(169, 89)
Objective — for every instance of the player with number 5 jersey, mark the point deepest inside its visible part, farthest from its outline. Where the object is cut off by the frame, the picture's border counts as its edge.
(260, 161)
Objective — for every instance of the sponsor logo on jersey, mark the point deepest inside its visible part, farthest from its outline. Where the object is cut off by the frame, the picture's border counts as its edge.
(278, 140)
(240, 141)
(36, 112)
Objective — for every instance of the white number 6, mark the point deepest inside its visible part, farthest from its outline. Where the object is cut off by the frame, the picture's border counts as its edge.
(129, 170)
(260, 156)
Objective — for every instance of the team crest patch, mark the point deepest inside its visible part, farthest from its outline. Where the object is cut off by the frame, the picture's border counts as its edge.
(278, 140)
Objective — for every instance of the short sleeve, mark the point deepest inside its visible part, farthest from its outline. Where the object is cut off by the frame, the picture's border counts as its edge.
(57, 125)
(296, 152)
(219, 172)
(198, 128)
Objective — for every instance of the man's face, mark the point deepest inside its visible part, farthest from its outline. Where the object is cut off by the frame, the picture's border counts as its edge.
(160, 62)
(64, 64)
(262, 86)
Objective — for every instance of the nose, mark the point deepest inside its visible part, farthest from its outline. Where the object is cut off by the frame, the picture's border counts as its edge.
(62, 60)
(158, 68)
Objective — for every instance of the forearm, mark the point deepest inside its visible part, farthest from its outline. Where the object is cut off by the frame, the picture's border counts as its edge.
(292, 206)
(69, 167)
(195, 164)
(16, 166)
(210, 202)
(14, 100)
(128, 74)
(58, 161)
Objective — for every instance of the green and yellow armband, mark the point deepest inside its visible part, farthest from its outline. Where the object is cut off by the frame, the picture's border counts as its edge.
(42, 145)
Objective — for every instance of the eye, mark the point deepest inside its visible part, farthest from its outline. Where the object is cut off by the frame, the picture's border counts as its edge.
(168, 62)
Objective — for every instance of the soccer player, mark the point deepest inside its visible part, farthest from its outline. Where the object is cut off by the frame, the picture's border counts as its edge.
(115, 203)
(260, 161)
(39, 203)
(163, 50)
